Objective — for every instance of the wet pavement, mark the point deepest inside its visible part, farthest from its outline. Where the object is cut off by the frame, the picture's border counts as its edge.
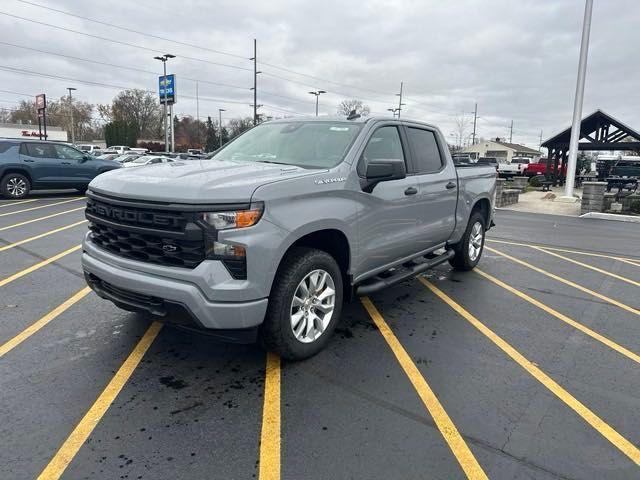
(525, 369)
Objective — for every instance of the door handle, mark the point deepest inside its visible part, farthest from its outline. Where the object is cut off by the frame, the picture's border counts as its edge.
(450, 185)
(29, 160)
(411, 191)
(65, 163)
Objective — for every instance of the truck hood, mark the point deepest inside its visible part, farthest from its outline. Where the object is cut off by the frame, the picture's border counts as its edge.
(195, 181)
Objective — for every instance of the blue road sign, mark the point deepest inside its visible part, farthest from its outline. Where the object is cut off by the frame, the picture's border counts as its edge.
(168, 85)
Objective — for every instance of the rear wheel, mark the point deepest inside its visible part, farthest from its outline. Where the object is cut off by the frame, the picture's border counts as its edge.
(469, 250)
(304, 306)
(15, 185)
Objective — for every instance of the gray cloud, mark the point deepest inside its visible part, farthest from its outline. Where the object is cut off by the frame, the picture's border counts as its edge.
(516, 59)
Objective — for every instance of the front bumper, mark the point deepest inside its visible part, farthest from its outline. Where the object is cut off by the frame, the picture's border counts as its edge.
(163, 296)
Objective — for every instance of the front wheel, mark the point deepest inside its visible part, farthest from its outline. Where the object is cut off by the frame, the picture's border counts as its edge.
(304, 306)
(15, 185)
(469, 250)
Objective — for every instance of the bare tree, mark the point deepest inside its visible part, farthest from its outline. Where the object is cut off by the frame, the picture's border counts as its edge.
(347, 106)
(462, 126)
(135, 106)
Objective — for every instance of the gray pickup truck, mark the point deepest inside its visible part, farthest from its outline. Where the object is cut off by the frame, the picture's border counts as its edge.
(269, 237)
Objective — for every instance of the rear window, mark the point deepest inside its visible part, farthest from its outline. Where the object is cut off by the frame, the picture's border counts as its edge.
(425, 150)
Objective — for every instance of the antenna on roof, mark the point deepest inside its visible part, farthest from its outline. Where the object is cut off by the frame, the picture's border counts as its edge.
(353, 115)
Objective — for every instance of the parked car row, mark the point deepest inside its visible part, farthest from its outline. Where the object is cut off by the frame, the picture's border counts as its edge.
(27, 165)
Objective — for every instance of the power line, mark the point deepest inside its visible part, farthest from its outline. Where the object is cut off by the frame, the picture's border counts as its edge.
(127, 29)
(220, 52)
(97, 62)
(119, 42)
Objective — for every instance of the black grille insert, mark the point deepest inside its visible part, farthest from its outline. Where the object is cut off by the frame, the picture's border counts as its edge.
(171, 238)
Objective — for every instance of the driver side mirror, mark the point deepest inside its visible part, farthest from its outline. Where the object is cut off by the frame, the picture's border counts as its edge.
(383, 170)
(85, 158)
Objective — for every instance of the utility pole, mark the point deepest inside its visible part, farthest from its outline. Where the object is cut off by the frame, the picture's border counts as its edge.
(475, 121)
(73, 136)
(220, 110)
(400, 104)
(393, 111)
(511, 132)
(164, 59)
(577, 105)
(173, 128)
(540, 144)
(197, 103)
(255, 82)
(317, 93)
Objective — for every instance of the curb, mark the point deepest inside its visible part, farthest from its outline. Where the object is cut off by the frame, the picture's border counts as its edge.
(612, 216)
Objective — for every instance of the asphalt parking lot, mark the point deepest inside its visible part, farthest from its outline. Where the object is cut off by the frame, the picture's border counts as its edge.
(524, 369)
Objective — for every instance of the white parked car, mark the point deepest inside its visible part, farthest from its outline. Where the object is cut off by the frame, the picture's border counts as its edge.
(121, 149)
(89, 148)
(147, 160)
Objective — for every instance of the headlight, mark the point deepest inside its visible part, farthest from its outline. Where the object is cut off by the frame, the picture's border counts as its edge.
(234, 218)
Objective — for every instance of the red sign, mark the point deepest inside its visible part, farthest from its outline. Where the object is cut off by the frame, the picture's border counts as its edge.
(27, 133)
(41, 101)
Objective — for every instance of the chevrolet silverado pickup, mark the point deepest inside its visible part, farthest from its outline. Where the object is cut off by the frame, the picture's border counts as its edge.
(270, 236)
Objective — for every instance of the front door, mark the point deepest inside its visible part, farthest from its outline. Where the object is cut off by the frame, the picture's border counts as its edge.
(388, 216)
(77, 169)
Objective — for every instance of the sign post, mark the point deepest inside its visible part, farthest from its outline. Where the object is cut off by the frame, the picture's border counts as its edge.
(41, 106)
(167, 92)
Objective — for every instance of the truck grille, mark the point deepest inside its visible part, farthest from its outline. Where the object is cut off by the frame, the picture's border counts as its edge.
(157, 236)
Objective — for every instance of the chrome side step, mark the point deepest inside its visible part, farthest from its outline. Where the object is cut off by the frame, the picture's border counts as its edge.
(398, 274)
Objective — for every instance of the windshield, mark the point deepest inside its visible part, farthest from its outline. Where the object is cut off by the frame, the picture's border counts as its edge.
(305, 144)
(141, 159)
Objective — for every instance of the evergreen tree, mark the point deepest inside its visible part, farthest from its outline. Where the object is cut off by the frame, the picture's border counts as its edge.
(211, 142)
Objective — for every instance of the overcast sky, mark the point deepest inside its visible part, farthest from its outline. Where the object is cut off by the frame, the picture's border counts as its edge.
(517, 59)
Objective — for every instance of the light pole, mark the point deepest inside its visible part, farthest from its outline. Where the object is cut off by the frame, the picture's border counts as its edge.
(393, 111)
(73, 136)
(400, 104)
(220, 110)
(317, 93)
(577, 105)
(164, 59)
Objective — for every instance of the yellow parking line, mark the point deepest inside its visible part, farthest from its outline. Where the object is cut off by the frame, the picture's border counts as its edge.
(270, 435)
(18, 203)
(79, 435)
(41, 206)
(586, 330)
(630, 261)
(567, 282)
(40, 218)
(35, 267)
(41, 235)
(456, 443)
(624, 445)
(590, 267)
(35, 327)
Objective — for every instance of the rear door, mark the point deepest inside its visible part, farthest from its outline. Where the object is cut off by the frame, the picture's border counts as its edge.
(437, 183)
(388, 215)
(43, 162)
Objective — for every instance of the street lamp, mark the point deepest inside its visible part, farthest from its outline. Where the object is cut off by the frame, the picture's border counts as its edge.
(73, 136)
(164, 59)
(220, 110)
(317, 93)
(393, 111)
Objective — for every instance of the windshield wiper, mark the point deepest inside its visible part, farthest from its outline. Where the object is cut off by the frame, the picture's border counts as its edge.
(270, 161)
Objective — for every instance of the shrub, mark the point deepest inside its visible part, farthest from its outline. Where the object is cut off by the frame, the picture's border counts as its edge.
(535, 181)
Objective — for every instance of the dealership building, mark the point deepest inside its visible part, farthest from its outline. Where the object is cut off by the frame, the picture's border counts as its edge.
(24, 130)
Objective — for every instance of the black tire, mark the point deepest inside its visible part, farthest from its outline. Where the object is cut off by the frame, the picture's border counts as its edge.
(276, 333)
(11, 183)
(462, 259)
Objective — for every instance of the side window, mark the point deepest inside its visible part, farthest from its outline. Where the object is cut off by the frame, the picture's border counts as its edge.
(155, 160)
(40, 150)
(67, 153)
(425, 150)
(384, 143)
(4, 146)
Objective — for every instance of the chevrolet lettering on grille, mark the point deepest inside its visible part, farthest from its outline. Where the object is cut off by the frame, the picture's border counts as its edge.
(134, 216)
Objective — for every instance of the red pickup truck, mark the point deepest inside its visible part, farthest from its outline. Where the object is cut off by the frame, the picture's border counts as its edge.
(540, 168)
